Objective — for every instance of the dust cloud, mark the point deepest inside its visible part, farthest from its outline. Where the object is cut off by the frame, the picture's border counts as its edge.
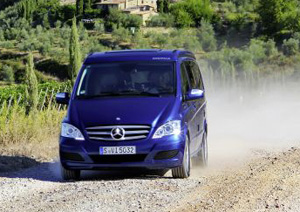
(244, 121)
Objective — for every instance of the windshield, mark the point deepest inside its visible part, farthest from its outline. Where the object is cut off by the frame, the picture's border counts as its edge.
(127, 79)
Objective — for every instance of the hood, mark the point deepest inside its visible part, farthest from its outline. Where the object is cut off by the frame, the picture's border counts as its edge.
(112, 111)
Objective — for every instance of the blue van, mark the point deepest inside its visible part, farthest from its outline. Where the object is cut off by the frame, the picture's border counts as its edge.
(135, 109)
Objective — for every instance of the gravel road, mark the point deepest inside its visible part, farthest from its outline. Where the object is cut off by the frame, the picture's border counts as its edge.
(270, 182)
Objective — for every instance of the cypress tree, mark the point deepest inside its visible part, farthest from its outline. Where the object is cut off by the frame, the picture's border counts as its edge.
(87, 5)
(79, 7)
(27, 7)
(160, 6)
(74, 52)
(31, 89)
(166, 4)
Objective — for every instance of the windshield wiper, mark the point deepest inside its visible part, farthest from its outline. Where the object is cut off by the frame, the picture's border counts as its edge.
(121, 93)
(144, 93)
(138, 93)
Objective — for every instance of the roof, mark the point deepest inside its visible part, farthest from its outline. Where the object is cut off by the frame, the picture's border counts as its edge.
(138, 55)
(111, 2)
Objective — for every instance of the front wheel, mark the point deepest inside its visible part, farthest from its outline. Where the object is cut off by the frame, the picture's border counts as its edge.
(183, 171)
(67, 174)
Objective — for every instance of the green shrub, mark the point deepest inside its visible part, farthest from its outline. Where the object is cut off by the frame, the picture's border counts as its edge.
(140, 42)
(257, 50)
(161, 20)
(233, 63)
(117, 19)
(290, 47)
(131, 21)
(271, 49)
(8, 74)
(206, 36)
(2, 38)
(121, 34)
(7, 44)
(227, 7)
(99, 27)
(44, 49)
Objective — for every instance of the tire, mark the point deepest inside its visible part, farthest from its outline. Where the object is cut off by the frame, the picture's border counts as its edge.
(67, 174)
(203, 153)
(183, 171)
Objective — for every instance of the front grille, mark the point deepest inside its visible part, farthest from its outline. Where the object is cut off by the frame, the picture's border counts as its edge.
(110, 159)
(131, 132)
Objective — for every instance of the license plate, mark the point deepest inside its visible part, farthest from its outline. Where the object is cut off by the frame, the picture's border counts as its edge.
(118, 150)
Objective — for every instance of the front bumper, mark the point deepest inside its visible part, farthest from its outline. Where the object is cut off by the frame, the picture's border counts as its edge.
(164, 153)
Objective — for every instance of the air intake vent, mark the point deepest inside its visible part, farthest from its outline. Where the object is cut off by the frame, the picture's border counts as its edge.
(118, 132)
(110, 159)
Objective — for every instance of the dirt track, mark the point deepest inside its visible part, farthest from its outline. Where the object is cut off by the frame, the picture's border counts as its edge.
(267, 183)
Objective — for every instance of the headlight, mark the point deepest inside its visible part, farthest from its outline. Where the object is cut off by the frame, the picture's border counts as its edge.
(169, 128)
(69, 131)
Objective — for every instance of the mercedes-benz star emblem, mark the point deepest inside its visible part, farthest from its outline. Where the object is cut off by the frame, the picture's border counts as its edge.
(117, 133)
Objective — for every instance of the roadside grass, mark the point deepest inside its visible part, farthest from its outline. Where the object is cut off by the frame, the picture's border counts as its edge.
(35, 135)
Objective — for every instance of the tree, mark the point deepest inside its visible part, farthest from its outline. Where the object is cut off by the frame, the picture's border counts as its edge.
(31, 90)
(160, 6)
(277, 15)
(74, 52)
(163, 6)
(79, 7)
(113, 19)
(191, 12)
(182, 18)
(166, 6)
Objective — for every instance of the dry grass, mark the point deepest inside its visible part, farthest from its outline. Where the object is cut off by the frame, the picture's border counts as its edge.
(34, 136)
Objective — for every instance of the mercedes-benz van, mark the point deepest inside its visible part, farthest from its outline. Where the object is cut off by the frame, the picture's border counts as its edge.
(135, 109)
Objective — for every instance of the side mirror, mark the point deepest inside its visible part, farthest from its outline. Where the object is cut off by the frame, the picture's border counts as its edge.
(63, 98)
(194, 94)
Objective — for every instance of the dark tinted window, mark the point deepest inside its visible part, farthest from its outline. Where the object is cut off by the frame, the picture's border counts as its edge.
(127, 78)
(184, 79)
(194, 74)
(197, 74)
(190, 74)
